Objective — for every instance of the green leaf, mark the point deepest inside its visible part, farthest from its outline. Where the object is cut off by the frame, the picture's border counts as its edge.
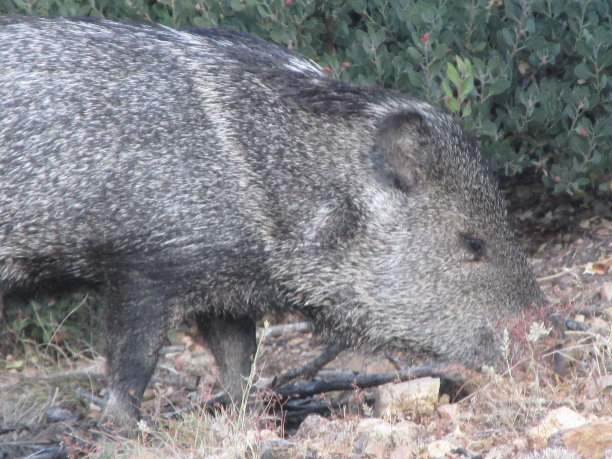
(440, 52)
(263, 12)
(584, 49)
(448, 92)
(488, 128)
(466, 88)
(582, 71)
(453, 74)
(480, 46)
(417, 79)
(596, 158)
(512, 10)
(237, 5)
(582, 181)
(498, 86)
(508, 35)
(436, 68)
(453, 105)
(414, 54)
(464, 66)
(605, 59)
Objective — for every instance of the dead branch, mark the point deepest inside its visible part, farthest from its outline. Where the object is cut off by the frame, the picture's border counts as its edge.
(32, 449)
(292, 391)
(87, 395)
(59, 377)
(310, 369)
(344, 381)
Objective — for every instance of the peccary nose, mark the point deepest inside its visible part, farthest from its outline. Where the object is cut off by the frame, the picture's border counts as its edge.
(535, 333)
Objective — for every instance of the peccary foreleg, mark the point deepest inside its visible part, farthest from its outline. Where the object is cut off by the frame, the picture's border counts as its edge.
(138, 318)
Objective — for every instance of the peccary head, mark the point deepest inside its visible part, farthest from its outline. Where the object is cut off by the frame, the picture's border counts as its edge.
(436, 269)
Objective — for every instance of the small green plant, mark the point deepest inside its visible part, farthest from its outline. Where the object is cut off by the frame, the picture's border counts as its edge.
(57, 329)
(250, 380)
(462, 79)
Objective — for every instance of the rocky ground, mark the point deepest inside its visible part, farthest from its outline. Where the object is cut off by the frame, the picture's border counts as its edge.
(454, 413)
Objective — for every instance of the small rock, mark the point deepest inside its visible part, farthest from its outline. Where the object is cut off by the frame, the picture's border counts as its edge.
(449, 411)
(314, 426)
(605, 383)
(393, 399)
(520, 444)
(439, 449)
(500, 452)
(594, 405)
(591, 440)
(377, 438)
(606, 291)
(277, 449)
(371, 446)
(402, 452)
(599, 325)
(57, 413)
(555, 421)
(551, 453)
(258, 436)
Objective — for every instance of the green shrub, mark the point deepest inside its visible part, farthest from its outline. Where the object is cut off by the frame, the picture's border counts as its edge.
(532, 78)
(54, 326)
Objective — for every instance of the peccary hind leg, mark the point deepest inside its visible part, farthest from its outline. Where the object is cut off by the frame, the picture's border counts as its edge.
(232, 342)
(138, 319)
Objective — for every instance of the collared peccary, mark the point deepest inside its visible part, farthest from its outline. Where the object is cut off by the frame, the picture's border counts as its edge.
(214, 174)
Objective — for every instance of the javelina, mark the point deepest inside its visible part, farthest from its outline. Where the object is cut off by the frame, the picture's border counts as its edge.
(215, 174)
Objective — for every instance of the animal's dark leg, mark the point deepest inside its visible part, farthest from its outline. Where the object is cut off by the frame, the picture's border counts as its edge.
(138, 318)
(233, 343)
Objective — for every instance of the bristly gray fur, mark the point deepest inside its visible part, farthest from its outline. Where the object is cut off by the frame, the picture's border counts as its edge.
(216, 174)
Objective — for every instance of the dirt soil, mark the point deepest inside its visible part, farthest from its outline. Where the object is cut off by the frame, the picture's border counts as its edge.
(477, 414)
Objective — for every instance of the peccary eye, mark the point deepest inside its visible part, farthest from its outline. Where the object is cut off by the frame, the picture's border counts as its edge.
(476, 246)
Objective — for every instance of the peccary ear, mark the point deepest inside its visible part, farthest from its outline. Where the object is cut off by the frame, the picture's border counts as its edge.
(407, 148)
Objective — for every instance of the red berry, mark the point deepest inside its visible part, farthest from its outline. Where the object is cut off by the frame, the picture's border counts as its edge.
(327, 69)
(345, 64)
(583, 132)
(425, 38)
(288, 2)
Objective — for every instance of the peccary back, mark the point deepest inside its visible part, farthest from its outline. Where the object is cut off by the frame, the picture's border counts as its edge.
(215, 174)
